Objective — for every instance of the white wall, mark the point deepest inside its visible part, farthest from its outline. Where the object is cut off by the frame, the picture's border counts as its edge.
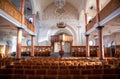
(7, 39)
(11, 39)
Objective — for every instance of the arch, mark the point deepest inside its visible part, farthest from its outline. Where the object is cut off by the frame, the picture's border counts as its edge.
(65, 31)
(69, 30)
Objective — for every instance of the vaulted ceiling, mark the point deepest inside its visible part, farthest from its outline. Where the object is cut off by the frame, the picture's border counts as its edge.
(78, 4)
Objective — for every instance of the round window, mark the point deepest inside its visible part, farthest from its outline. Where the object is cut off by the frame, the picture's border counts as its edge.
(91, 42)
(29, 43)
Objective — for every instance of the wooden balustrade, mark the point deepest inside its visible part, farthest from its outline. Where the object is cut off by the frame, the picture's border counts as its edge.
(78, 51)
(109, 8)
(81, 51)
(32, 27)
(42, 50)
(11, 10)
(28, 24)
(106, 11)
(107, 51)
(25, 21)
(117, 54)
(26, 48)
(93, 51)
(113, 51)
(39, 50)
(91, 24)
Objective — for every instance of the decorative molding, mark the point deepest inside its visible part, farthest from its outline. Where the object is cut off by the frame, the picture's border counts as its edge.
(87, 35)
(99, 27)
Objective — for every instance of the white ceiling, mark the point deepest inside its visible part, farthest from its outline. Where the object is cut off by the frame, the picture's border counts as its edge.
(78, 4)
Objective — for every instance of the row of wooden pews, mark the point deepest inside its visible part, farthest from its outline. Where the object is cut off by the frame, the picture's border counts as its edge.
(80, 51)
(60, 68)
(5, 61)
(43, 71)
(38, 50)
(26, 76)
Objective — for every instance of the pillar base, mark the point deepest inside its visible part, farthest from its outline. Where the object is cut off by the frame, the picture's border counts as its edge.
(101, 59)
(18, 59)
(87, 57)
(32, 56)
(91, 58)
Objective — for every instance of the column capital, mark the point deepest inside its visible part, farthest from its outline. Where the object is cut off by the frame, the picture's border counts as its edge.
(99, 27)
(19, 28)
(87, 35)
(33, 35)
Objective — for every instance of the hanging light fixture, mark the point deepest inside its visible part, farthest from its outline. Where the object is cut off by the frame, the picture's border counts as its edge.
(61, 25)
(59, 11)
(59, 3)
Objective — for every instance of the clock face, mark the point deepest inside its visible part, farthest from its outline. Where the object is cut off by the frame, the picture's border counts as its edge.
(28, 42)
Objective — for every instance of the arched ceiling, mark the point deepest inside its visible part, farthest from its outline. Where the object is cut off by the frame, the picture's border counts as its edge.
(78, 4)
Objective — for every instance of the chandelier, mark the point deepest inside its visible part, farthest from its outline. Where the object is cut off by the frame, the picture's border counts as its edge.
(61, 25)
(59, 3)
(59, 11)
